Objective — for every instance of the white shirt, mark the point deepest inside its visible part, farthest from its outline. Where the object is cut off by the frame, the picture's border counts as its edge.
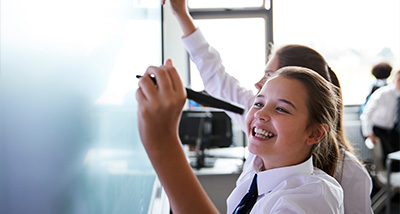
(216, 81)
(221, 85)
(352, 176)
(302, 188)
(379, 83)
(381, 110)
(356, 183)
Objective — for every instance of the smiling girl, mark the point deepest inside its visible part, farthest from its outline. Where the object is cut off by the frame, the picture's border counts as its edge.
(287, 131)
(290, 134)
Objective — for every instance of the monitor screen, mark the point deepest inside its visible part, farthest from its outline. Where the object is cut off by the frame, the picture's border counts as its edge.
(213, 129)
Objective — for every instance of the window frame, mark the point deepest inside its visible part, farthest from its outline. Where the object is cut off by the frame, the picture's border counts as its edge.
(234, 13)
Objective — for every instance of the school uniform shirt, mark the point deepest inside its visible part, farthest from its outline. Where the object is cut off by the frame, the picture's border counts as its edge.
(356, 183)
(221, 85)
(217, 82)
(381, 110)
(351, 175)
(375, 86)
(301, 188)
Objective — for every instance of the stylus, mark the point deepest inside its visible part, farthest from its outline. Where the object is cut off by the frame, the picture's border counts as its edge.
(207, 100)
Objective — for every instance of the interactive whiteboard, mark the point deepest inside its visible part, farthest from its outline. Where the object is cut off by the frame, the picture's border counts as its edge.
(69, 141)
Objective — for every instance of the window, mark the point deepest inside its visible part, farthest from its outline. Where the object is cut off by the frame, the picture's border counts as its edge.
(242, 42)
(351, 35)
(243, 60)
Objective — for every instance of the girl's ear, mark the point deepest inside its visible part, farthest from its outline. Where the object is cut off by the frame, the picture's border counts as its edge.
(317, 133)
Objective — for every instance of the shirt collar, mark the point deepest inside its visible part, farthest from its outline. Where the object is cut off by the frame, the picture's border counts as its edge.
(380, 82)
(267, 180)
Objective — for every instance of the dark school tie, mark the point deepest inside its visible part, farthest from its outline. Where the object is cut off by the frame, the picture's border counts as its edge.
(397, 125)
(248, 201)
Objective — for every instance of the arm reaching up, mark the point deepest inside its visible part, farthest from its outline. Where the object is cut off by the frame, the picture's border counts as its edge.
(180, 10)
(159, 110)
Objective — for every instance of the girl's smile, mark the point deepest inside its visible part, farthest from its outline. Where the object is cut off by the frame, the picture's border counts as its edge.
(262, 133)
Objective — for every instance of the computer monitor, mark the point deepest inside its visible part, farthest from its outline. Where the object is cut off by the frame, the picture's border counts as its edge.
(204, 130)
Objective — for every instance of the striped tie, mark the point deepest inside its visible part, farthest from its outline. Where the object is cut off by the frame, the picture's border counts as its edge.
(248, 201)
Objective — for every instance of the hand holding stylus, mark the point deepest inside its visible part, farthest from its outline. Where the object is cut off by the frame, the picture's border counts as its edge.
(159, 106)
(202, 98)
(159, 110)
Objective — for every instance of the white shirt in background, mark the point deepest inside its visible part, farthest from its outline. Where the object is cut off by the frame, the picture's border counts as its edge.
(381, 110)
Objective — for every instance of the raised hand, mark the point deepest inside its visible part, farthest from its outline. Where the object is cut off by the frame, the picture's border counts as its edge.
(180, 10)
(159, 106)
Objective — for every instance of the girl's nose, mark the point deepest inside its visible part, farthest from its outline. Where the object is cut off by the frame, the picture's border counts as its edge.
(262, 114)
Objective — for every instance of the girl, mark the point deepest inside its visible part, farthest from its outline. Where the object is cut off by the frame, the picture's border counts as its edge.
(350, 173)
(287, 132)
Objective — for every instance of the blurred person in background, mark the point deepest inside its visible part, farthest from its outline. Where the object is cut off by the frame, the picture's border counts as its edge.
(381, 72)
(381, 118)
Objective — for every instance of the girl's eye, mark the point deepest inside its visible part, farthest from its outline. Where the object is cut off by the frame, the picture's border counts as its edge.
(259, 105)
(281, 110)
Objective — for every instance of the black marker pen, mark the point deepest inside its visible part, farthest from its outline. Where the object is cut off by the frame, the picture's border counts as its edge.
(206, 100)
(152, 78)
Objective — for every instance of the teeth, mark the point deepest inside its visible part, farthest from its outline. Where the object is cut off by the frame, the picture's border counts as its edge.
(263, 134)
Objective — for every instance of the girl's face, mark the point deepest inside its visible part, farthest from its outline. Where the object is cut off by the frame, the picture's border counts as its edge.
(277, 123)
(270, 68)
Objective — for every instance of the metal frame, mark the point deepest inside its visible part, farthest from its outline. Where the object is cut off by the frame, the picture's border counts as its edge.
(231, 13)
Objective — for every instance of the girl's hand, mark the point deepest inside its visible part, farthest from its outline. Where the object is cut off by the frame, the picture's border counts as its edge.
(181, 12)
(373, 138)
(160, 106)
(179, 6)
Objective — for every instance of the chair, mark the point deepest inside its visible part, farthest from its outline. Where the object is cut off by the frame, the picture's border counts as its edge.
(379, 177)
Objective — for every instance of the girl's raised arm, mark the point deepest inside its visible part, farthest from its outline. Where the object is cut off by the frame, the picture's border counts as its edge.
(180, 10)
(159, 110)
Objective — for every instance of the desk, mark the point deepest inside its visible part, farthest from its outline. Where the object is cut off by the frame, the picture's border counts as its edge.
(391, 156)
(225, 160)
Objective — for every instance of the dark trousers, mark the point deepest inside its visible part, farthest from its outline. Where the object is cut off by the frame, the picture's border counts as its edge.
(390, 143)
